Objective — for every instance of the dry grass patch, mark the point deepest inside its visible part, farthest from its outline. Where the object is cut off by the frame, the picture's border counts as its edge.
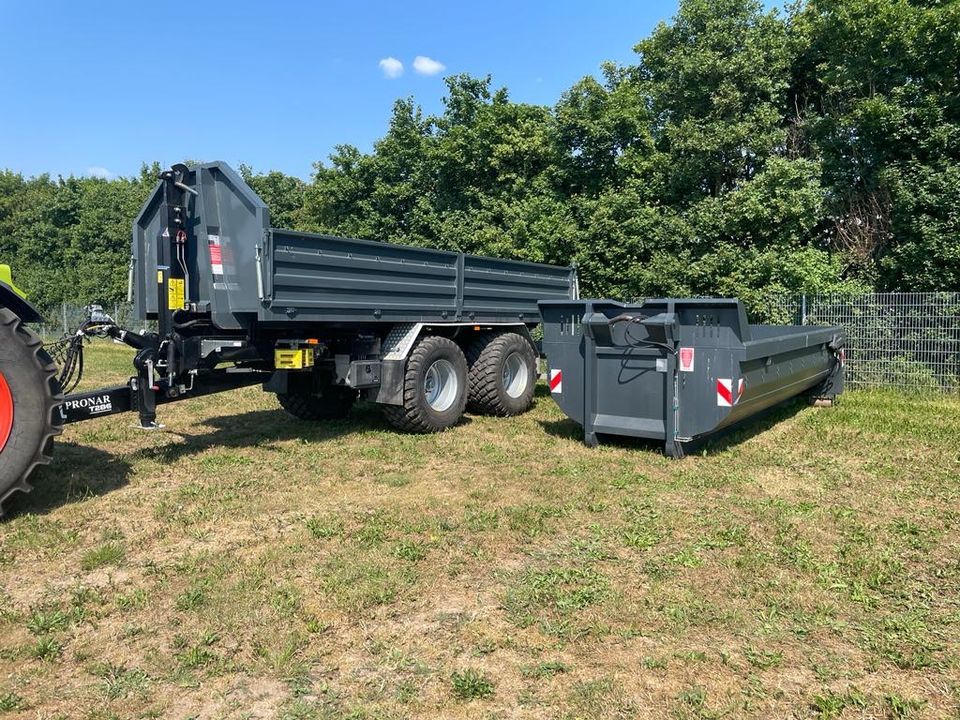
(243, 564)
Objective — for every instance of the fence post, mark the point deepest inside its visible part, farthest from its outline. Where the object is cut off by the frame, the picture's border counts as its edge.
(65, 330)
(803, 309)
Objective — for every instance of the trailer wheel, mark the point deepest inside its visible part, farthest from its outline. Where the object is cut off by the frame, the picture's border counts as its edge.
(503, 374)
(29, 404)
(334, 404)
(434, 387)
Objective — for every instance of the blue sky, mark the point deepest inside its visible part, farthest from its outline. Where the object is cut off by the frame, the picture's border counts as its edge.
(100, 87)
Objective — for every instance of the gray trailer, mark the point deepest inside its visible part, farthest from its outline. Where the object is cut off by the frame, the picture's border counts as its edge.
(678, 370)
(318, 320)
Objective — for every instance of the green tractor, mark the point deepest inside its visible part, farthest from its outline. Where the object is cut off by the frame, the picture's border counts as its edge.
(30, 395)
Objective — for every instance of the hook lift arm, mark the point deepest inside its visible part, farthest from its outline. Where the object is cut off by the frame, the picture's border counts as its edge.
(162, 375)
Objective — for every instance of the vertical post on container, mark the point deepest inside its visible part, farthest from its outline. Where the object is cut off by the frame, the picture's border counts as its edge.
(589, 378)
(671, 406)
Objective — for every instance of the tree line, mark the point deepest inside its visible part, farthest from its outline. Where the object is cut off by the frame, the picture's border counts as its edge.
(745, 152)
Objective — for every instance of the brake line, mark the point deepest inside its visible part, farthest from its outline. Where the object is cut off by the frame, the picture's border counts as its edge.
(68, 351)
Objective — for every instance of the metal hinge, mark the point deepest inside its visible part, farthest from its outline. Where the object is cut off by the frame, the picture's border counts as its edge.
(131, 266)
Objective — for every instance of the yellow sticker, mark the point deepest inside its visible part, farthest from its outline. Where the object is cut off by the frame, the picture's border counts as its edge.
(175, 298)
(159, 277)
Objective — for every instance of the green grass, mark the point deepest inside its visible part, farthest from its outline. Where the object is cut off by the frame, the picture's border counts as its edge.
(471, 684)
(243, 564)
(10, 702)
(109, 553)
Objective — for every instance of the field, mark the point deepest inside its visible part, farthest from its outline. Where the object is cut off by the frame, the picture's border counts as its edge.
(240, 564)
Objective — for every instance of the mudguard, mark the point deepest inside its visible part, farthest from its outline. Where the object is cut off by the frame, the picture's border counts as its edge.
(13, 298)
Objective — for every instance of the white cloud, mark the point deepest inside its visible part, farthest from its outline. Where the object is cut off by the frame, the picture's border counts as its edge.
(427, 66)
(99, 172)
(392, 68)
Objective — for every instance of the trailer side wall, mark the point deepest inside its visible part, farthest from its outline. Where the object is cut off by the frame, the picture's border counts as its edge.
(241, 270)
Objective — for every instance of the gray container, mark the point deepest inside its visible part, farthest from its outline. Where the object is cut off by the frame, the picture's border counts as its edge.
(677, 370)
(242, 271)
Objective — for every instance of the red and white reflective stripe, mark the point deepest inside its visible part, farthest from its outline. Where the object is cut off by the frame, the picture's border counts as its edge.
(6, 412)
(556, 380)
(725, 396)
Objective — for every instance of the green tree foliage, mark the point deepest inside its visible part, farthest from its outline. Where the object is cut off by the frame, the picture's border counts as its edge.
(283, 194)
(876, 87)
(745, 151)
(69, 239)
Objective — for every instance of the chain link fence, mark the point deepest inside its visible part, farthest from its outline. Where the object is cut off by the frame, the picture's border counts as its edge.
(66, 318)
(906, 341)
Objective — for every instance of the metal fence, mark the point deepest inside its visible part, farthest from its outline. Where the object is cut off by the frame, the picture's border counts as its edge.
(907, 341)
(66, 318)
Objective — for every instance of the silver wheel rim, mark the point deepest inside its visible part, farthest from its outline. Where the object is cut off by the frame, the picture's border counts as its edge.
(441, 385)
(516, 375)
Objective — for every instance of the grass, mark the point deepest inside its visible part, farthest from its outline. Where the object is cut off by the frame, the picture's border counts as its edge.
(242, 564)
(471, 684)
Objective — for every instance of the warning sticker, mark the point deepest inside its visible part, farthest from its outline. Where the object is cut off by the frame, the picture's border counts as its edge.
(686, 359)
(556, 381)
(216, 255)
(726, 397)
(175, 294)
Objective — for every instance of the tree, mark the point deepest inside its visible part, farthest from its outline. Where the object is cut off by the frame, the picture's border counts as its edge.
(877, 91)
(745, 151)
(284, 195)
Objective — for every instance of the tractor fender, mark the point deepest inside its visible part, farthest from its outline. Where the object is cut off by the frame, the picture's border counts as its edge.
(13, 301)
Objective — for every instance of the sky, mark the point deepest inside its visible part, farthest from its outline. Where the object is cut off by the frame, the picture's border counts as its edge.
(98, 88)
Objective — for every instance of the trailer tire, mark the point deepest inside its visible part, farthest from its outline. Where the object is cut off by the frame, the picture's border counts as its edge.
(503, 374)
(335, 404)
(30, 401)
(434, 387)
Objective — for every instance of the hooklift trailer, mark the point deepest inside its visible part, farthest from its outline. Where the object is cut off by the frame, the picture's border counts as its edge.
(318, 320)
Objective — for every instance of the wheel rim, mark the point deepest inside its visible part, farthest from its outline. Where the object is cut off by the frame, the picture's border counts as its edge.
(441, 385)
(516, 375)
(6, 412)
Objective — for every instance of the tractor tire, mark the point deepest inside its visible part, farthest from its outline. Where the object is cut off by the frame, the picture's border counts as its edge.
(503, 374)
(334, 404)
(434, 387)
(30, 401)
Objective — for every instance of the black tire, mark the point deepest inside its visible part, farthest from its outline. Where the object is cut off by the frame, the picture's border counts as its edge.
(334, 404)
(30, 377)
(487, 357)
(416, 414)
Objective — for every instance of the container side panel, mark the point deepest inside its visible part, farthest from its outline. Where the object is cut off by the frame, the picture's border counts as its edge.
(563, 344)
(319, 275)
(630, 393)
(778, 377)
(511, 288)
(725, 389)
